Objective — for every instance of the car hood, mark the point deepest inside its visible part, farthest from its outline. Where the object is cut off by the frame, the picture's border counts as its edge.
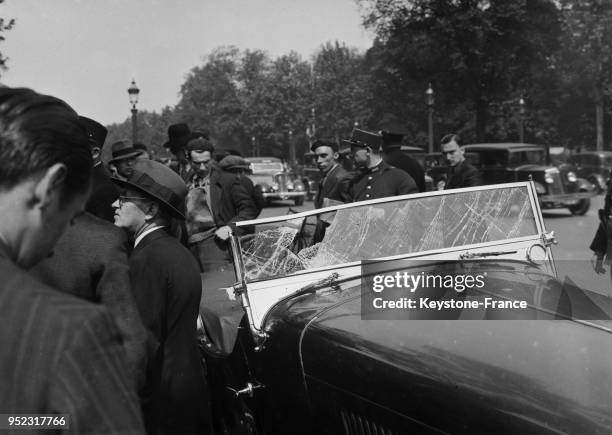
(463, 374)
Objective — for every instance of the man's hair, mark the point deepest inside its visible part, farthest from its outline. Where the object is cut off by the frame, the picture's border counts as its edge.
(450, 138)
(38, 131)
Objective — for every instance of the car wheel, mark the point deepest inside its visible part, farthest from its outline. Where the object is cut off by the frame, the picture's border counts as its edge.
(299, 200)
(581, 208)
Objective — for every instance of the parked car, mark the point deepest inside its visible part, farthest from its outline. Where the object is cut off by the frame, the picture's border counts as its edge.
(595, 166)
(557, 187)
(275, 181)
(295, 351)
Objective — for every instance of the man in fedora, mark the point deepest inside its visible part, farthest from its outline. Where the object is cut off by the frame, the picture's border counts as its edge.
(167, 286)
(178, 136)
(103, 190)
(377, 179)
(123, 157)
(61, 354)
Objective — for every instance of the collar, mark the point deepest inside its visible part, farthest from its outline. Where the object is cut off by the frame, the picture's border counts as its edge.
(4, 248)
(381, 166)
(144, 233)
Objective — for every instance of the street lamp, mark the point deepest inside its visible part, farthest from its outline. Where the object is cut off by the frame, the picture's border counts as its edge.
(133, 92)
(429, 99)
(291, 148)
(522, 119)
(253, 145)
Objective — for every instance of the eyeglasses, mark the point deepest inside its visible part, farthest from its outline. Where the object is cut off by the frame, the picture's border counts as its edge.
(123, 199)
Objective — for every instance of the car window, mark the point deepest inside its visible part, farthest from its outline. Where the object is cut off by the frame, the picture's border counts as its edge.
(492, 157)
(373, 230)
(530, 157)
(259, 168)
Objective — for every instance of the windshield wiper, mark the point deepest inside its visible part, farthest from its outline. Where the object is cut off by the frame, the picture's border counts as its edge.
(469, 255)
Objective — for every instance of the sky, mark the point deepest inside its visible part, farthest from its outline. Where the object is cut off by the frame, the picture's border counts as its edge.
(88, 51)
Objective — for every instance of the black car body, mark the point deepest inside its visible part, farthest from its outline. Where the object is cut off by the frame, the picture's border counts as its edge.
(306, 358)
(595, 166)
(557, 187)
(275, 181)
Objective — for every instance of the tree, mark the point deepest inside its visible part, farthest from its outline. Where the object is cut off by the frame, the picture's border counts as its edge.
(477, 53)
(586, 57)
(5, 26)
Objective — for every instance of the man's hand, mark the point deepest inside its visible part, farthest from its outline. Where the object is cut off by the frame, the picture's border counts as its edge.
(598, 265)
(223, 232)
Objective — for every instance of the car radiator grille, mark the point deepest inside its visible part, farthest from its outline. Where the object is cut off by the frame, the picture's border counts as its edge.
(355, 424)
(556, 188)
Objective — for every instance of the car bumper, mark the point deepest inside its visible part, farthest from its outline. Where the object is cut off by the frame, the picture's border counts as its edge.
(283, 195)
(567, 198)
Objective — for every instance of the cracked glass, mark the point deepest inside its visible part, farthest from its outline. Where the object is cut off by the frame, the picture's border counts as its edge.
(368, 231)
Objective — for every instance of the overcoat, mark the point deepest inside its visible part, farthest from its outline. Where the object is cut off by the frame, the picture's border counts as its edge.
(90, 261)
(167, 285)
(62, 355)
(396, 157)
(334, 185)
(462, 175)
(103, 193)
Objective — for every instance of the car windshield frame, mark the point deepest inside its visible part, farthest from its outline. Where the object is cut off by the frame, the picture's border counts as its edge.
(295, 222)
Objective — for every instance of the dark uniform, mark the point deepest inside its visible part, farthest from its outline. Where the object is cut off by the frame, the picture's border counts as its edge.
(381, 181)
(396, 157)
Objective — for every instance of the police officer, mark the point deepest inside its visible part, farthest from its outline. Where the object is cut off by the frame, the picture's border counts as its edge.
(394, 156)
(376, 179)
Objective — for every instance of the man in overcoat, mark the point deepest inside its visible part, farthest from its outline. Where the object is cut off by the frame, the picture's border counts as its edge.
(460, 173)
(335, 179)
(103, 190)
(394, 156)
(602, 242)
(61, 354)
(167, 286)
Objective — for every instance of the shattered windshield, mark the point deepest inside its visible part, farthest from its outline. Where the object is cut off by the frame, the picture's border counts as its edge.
(369, 230)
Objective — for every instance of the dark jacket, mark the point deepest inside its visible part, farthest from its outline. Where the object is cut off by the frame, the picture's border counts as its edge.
(395, 157)
(90, 261)
(166, 282)
(602, 242)
(62, 355)
(382, 181)
(462, 175)
(334, 185)
(103, 193)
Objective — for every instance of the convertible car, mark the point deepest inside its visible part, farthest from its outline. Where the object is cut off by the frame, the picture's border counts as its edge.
(437, 312)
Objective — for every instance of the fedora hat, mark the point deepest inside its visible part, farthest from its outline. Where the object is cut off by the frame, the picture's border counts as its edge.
(96, 132)
(120, 150)
(178, 136)
(234, 162)
(160, 183)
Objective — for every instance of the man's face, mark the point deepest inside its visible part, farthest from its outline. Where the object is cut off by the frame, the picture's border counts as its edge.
(200, 162)
(125, 167)
(128, 213)
(48, 228)
(325, 158)
(361, 157)
(452, 153)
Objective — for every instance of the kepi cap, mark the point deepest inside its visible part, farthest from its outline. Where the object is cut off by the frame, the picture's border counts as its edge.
(96, 132)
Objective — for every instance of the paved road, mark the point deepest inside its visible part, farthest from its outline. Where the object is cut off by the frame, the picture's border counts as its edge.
(573, 233)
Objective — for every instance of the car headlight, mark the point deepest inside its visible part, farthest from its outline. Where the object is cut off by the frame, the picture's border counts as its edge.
(571, 177)
(264, 188)
(441, 185)
(298, 187)
(290, 186)
(549, 178)
(539, 187)
(275, 186)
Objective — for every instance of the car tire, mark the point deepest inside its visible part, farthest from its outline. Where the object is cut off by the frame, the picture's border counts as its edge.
(581, 208)
(299, 200)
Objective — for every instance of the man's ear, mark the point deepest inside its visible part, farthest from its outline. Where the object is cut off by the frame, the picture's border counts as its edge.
(50, 185)
(152, 211)
(95, 152)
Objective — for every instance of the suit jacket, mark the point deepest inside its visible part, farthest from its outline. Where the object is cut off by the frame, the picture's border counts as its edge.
(395, 157)
(381, 181)
(167, 285)
(90, 261)
(462, 175)
(62, 355)
(103, 193)
(334, 185)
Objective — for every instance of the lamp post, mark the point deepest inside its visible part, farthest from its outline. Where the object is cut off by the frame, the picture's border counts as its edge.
(522, 119)
(429, 99)
(133, 92)
(291, 149)
(253, 145)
